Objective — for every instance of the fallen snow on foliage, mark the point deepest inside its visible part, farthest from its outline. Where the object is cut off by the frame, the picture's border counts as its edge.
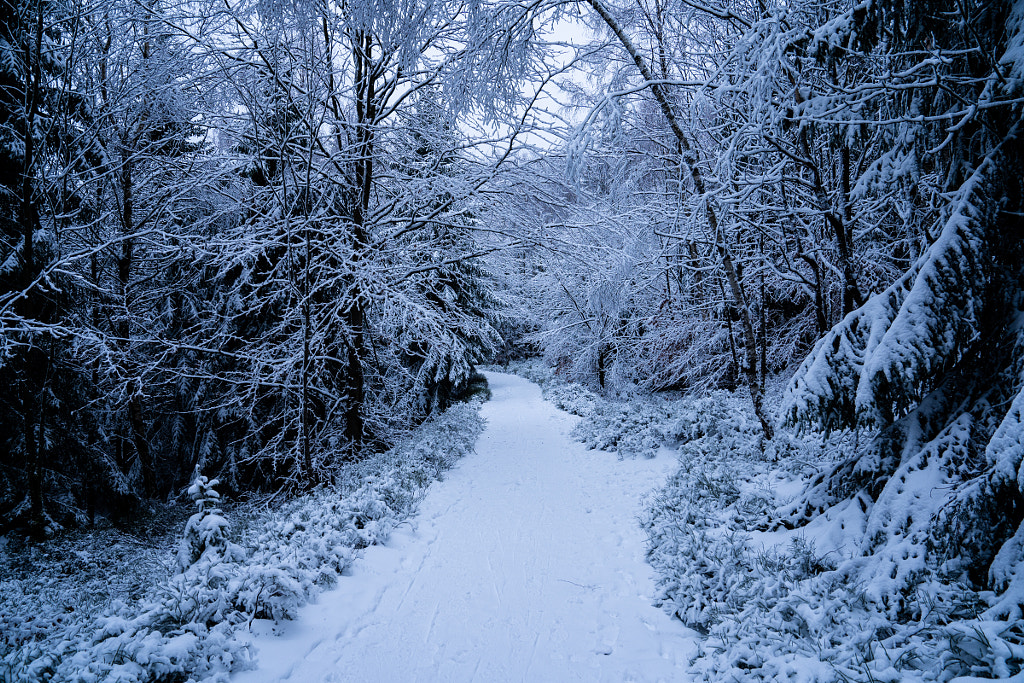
(526, 564)
(187, 626)
(787, 584)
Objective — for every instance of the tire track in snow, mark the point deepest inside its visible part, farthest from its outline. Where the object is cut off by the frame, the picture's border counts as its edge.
(526, 564)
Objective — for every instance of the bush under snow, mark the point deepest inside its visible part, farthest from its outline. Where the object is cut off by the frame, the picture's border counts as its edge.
(185, 627)
(792, 604)
(781, 592)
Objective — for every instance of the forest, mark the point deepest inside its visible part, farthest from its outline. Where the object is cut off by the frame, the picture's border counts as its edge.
(270, 242)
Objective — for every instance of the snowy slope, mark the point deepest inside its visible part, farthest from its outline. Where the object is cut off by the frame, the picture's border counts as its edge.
(526, 564)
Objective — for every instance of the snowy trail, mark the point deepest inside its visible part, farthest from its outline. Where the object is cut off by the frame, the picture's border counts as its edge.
(525, 564)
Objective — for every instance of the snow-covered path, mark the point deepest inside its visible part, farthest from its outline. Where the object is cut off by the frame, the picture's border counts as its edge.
(526, 564)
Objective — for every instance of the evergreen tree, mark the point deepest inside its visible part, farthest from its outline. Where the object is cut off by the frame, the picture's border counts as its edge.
(933, 364)
(40, 389)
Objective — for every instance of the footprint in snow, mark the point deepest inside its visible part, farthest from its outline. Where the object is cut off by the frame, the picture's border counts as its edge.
(607, 638)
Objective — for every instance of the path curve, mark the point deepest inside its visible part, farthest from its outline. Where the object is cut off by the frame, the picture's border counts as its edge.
(525, 564)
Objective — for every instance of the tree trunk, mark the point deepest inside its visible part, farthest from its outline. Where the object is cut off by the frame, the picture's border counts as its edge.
(141, 443)
(35, 370)
(602, 360)
(304, 414)
(355, 314)
(749, 364)
(838, 222)
(36, 521)
(125, 263)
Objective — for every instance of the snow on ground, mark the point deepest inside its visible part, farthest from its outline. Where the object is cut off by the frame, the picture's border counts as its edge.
(526, 564)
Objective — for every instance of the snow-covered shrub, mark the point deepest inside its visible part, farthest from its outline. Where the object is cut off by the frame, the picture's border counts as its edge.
(184, 627)
(822, 629)
(127, 651)
(704, 570)
(719, 414)
(439, 445)
(721, 574)
(626, 427)
(207, 530)
(637, 426)
(782, 602)
(574, 399)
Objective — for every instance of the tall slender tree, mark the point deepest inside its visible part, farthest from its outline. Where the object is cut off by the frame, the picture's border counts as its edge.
(34, 364)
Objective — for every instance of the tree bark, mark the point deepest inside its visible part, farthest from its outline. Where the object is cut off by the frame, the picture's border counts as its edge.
(355, 314)
(35, 364)
(141, 443)
(36, 521)
(125, 263)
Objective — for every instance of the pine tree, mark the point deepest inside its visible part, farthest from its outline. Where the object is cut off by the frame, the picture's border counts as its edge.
(206, 532)
(932, 366)
(40, 390)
